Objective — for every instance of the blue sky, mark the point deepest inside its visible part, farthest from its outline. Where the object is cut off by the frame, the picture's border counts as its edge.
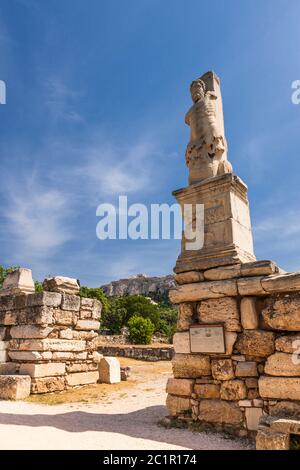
(96, 97)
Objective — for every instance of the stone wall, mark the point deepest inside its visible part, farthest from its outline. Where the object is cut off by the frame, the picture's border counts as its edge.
(145, 353)
(50, 336)
(260, 309)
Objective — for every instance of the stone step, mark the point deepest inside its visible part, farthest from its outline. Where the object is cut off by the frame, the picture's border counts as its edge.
(14, 387)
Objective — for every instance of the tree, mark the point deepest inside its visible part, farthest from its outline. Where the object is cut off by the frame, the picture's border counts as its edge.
(4, 272)
(140, 330)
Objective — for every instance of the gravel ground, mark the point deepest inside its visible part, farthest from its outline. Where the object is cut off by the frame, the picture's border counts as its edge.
(127, 419)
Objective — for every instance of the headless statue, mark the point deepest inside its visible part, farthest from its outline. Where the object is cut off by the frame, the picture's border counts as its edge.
(206, 153)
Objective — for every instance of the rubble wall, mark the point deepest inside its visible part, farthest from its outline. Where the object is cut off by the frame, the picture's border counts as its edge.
(259, 373)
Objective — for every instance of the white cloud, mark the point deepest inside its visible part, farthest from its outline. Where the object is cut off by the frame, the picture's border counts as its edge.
(61, 100)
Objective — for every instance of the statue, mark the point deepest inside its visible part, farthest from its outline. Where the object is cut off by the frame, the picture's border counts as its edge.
(206, 153)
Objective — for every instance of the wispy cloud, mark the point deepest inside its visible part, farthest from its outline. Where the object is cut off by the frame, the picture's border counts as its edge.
(61, 100)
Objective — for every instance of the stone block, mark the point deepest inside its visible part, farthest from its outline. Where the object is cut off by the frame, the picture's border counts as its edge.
(177, 405)
(282, 313)
(38, 315)
(2, 333)
(70, 302)
(249, 313)
(4, 345)
(288, 343)
(48, 345)
(248, 286)
(30, 332)
(189, 277)
(47, 299)
(266, 440)
(18, 282)
(3, 355)
(220, 412)
(259, 268)
(282, 364)
(66, 334)
(87, 325)
(109, 370)
(63, 317)
(61, 284)
(8, 318)
(47, 384)
(230, 339)
(245, 403)
(207, 390)
(180, 387)
(222, 369)
(220, 310)
(290, 426)
(233, 390)
(82, 378)
(191, 366)
(253, 416)
(43, 370)
(30, 355)
(203, 290)
(8, 368)
(255, 343)
(246, 369)
(285, 409)
(14, 387)
(223, 272)
(284, 388)
(185, 316)
(181, 343)
(289, 282)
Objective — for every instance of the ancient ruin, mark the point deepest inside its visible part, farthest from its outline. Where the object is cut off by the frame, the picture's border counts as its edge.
(238, 328)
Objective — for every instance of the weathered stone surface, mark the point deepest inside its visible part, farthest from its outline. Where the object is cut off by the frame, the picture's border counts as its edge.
(85, 335)
(252, 418)
(290, 426)
(70, 302)
(203, 290)
(246, 369)
(283, 313)
(61, 284)
(3, 345)
(82, 378)
(185, 316)
(14, 387)
(288, 282)
(43, 370)
(181, 342)
(30, 331)
(47, 299)
(189, 277)
(62, 356)
(288, 343)
(266, 440)
(63, 317)
(249, 313)
(8, 368)
(220, 310)
(2, 333)
(30, 355)
(109, 370)
(222, 369)
(180, 387)
(250, 286)
(48, 345)
(190, 366)
(207, 390)
(18, 282)
(8, 318)
(3, 355)
(233, 390)
(285, 409)
(220, 412)
(255, 343)
(177, 405)
(66, 334)
(87, 325)
(251, 382)
(285, 388)
(259, 268)
(140, 285)
(223, 272)
(282, 364)
(47, 384)
(38, 315)
(230, 339)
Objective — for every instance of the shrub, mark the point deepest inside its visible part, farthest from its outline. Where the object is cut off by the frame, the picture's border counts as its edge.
(140, 330)
(94, 293)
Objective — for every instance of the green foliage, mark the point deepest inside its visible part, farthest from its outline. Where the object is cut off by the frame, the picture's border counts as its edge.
(140, 330)
(38, 286)
(113, 318)
(4, 272)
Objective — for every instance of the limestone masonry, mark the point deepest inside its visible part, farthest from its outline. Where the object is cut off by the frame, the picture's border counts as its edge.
(257, 377)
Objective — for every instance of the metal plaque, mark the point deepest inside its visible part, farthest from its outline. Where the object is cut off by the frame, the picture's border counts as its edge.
(207, 338)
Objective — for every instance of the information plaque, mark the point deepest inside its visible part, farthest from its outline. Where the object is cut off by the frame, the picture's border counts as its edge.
(207, 338)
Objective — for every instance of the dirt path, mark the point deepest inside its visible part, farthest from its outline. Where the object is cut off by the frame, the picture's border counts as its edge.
(112, 417)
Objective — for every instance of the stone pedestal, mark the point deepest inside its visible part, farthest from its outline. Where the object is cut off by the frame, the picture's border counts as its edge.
(227, 226)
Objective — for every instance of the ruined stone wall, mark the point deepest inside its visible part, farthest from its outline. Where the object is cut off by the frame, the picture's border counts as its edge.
(51, 337)
(260, 310)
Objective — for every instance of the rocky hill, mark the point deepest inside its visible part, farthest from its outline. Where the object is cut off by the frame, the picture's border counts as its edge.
(154, 287)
